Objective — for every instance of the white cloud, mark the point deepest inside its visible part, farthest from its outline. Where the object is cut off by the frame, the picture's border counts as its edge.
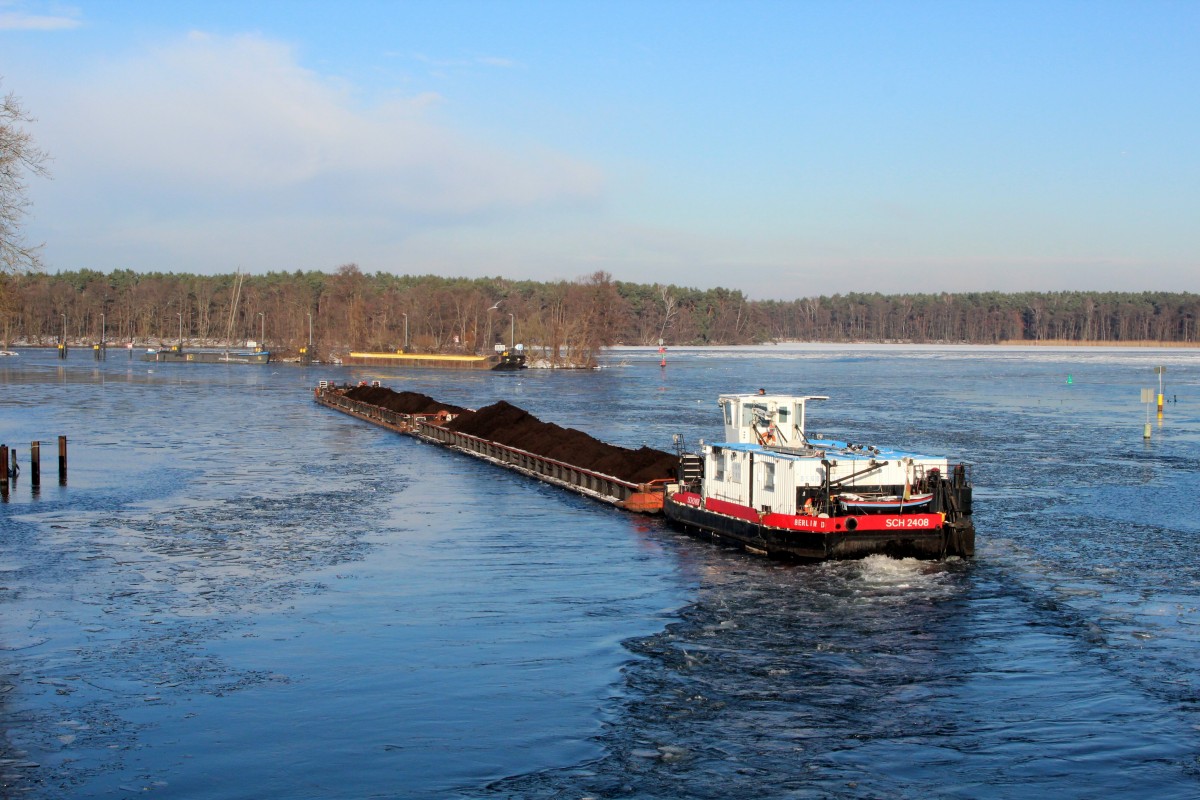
(236, 120)
(16, 21)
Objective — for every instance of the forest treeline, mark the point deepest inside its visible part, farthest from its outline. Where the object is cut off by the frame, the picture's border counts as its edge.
(565, 320)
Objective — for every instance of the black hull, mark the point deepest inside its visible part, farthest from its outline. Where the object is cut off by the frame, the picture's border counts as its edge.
(952, 539)
(510, 364)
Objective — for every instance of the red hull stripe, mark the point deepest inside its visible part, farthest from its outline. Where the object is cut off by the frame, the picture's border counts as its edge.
(792, 522)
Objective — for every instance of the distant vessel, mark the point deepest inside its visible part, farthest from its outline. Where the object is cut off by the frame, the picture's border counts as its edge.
(255, 353)
(177, 355)
(505, 359)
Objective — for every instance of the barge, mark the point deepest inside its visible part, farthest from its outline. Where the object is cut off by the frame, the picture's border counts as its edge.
(503, 360)
(177, 355)
(632, 492)
(768, 488)
(774, 491)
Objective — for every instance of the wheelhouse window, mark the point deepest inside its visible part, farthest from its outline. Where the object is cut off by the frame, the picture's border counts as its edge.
(751, 411)
(769, 477)
(718, 462)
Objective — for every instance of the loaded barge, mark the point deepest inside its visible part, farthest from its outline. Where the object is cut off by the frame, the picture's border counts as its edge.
(768, 488)
(503, 360)
(637, 485)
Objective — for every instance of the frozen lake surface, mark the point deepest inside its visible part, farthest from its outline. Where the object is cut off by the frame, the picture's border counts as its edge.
(239, 594)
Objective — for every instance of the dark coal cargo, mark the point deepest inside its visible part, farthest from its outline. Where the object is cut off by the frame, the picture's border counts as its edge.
(509, 425)
(400, 402)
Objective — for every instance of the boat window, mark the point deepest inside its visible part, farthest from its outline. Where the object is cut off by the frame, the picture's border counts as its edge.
(718, 466)
(769, 477)
(728, 408)
(737, 471)
(752, 410)
(783, 416)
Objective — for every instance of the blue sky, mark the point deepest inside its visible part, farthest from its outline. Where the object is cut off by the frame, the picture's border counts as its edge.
(787, 149)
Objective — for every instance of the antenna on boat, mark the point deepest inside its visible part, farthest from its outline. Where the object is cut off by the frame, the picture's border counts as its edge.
(237, 294)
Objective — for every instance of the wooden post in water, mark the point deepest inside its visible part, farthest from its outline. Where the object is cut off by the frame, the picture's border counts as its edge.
(62, 459)
(4, 465)
(35, 464)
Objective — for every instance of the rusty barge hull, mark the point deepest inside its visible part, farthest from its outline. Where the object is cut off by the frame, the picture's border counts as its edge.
(642, 498)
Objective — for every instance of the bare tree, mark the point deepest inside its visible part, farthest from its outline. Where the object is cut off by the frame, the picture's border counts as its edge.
(669, 311)
(19, 158)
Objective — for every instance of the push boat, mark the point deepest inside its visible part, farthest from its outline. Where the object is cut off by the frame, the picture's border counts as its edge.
(775, 491)
(253, 353)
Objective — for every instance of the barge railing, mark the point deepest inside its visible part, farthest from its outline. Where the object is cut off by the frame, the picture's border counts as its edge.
(643, 498)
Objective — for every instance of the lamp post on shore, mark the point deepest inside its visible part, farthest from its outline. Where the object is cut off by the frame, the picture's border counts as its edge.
(495, 307)
(103, 351)
(512, 331)
(262, 328)
(180, 315)
(306, 352)
(405, 332)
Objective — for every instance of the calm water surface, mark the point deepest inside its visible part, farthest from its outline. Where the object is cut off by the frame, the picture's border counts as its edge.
(239, 594)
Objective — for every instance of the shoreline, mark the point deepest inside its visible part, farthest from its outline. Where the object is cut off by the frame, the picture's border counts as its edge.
(1146, 343)
(1149, 344)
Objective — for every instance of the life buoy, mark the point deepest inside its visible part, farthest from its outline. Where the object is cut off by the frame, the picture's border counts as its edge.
(767, 437)
(810, 508)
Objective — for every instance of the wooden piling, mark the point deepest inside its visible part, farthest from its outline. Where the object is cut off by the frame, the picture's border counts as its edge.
(62, 459)
(4, 464)
(35, 464)
(15, 470)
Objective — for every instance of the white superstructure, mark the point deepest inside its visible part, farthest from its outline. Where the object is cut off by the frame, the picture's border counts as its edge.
(769, 464)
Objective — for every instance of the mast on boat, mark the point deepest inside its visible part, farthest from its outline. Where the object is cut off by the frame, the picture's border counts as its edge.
(237, 294)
